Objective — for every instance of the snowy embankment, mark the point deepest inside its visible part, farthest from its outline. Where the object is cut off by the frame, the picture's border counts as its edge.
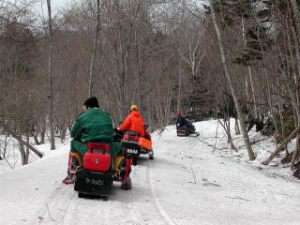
(190, 181)
(12, 159)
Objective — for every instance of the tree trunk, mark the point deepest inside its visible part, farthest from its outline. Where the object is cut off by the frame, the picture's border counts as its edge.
(297, 19)
(270, 102)
(94, 51)
(178, 109)
(22, 153)
(149, 113)
(63, 134)
(233, 92)
(43, 133)
(297, 41)
(50, 79)
(281, 131)
(27, 150)
(36, 139)
(19, 139)
(250, 75)
(247, 91)
(5, 147)
(226, 127)
(279, 147)
(296, 152)
(236, 127)
(253, 92)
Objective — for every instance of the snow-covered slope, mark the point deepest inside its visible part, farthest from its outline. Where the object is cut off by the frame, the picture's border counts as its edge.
(187, 183)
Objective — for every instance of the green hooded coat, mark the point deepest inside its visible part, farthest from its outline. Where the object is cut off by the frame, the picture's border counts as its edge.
(93, 125)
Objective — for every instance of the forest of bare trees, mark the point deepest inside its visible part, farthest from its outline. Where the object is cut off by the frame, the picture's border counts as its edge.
(218, 58)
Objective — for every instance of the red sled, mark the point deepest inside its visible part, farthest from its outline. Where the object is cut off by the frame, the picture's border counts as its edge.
(145, 143)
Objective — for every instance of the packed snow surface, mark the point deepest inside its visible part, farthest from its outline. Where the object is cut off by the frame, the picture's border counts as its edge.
(192, 180)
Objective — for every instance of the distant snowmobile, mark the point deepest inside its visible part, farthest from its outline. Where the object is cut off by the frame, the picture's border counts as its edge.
(184, 127)
(184, 130)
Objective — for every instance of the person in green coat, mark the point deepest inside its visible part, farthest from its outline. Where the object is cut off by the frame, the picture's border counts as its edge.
(93, 125)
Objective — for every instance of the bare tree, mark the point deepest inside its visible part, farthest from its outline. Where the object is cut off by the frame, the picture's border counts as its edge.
(251, 154)
(50, 79)
(94, 50)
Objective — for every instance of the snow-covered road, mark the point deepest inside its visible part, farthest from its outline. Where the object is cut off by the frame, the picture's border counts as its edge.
(187, 183)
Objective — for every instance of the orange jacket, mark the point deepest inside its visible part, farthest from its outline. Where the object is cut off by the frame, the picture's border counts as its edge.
(134, 122)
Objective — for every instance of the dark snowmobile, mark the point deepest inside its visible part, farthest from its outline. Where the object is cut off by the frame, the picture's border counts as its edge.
(186, 130)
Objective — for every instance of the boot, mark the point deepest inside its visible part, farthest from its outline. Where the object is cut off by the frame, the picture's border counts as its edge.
(74, 163)
(126, 183)
(125, 171)
(70, 179)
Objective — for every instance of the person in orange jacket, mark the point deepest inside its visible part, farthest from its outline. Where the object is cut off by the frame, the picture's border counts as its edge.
(133, 122)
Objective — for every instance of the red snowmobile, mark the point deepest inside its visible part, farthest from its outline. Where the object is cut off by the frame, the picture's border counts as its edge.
(146, 148)
(96, 176)
(143, 145)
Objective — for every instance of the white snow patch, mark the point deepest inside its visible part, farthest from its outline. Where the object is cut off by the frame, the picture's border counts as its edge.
(188, 183)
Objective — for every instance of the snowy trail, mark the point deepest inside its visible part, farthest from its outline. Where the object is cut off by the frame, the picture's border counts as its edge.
(139, 206)
(186, 184)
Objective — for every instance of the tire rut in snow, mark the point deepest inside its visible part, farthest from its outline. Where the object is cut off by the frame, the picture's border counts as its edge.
(55, 208)
(64, 207)
(96, 211)
(157, 203)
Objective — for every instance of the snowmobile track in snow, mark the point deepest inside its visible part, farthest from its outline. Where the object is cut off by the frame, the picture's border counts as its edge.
(160, 208)
(55, 207)
(64, 207)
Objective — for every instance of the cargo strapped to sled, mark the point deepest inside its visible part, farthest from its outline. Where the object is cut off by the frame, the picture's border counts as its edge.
(97, 158)
(97, 146)
(145, 143)
(130, 140)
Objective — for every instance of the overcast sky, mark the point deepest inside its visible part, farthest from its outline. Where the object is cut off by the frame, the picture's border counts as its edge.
(56, 4)
(40, 6)
(59, 3)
